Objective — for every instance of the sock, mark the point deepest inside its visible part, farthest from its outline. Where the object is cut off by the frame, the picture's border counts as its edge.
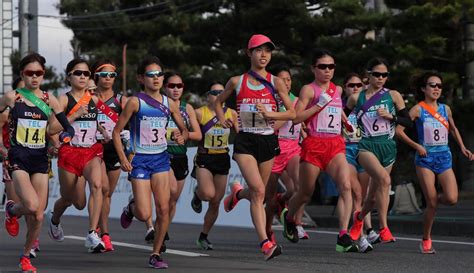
(368, 230)
(263, 242)
(342, 232)
(90, 231)
(202, 236)
(9, 209)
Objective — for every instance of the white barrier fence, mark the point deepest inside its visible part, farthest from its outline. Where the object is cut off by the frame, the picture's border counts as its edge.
(239, 216)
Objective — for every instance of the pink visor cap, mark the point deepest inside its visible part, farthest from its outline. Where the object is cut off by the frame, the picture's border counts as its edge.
(258, 39)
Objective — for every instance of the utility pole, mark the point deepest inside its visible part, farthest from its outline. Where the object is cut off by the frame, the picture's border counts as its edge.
(24, 28)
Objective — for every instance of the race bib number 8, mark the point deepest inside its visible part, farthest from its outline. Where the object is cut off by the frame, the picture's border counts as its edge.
(329, 120)
(435, 134)
(252, 121)
(216, 138)
(153, 132)
(31, 133)
(85, 132)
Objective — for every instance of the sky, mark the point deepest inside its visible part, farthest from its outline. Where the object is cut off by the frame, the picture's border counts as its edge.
(54, 38)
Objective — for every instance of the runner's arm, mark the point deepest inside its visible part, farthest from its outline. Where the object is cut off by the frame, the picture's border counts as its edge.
(457, 136)
(130, 108)
(235, 120)
(178, 119)
(306, 96)
(290, 113)
(402, 117)
(228, 90)
(59, 121)
(196, 130)
(400, 132)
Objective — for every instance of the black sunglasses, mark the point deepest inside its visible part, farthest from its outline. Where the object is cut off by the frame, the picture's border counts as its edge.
(352, 85)
(433, 85)
(214, 92)
(325, 66)
(79, 73)
(175, 85)
(379, 74)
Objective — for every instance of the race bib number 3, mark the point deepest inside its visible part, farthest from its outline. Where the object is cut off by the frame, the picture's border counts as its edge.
(31, 133)
(153, 132)
(251, 120)
(435, 134)
(329, 120)
(216, 138)
(85, 132)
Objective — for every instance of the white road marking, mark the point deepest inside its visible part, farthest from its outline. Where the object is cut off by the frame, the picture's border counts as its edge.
(170, 251)
(279, 227)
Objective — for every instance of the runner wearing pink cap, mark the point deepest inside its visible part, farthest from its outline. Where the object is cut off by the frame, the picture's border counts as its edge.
(256, 144)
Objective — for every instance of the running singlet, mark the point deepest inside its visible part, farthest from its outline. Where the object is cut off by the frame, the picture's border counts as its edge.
(248, 95)
(28, 124)
(148, 128)
(173, 147)
(106, 122)
(373, 126)
(352, 137)
(290, 131)
(85, 126)
(216, 139)
(327, 122)
(431, 133)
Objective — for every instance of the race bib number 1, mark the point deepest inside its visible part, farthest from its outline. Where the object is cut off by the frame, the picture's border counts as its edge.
(251, 120)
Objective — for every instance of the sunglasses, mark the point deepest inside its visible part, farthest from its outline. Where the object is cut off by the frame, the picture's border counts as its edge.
(352, 85)
(79, 73)
(379, 74)
(106, 74)
(214, 92)
(154, 73)
(325, 66)
(175, 85)
(31, 73)
(433, 85)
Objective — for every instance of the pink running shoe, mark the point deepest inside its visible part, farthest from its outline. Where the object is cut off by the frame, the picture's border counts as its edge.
(231, 200)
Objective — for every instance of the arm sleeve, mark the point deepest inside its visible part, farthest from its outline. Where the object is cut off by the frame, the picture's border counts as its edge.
(61, 117)
(403, 118)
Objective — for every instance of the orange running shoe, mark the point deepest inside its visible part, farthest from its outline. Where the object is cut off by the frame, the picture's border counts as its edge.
(25, 265)
(107, 243)
(271, 236)
(386, 236)
(426, 247)
(11, 222)
(231, 200)
(357, 226)
(270, 250)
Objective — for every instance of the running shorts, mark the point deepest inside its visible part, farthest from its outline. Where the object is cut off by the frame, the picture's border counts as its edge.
(74, 159)
(261, 147)
(320, 151)
(145, 165)
(21, 158)
(385, 150)
(352, 151)
(179, 164)
(288, 150)
(437, 162)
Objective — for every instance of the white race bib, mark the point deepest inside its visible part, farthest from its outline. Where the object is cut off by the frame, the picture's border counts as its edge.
(153, 132)
(435, 134)
(252, 121)
(85, 131)
(329, 120)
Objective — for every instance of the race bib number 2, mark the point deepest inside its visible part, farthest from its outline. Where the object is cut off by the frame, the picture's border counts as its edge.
(329, 120)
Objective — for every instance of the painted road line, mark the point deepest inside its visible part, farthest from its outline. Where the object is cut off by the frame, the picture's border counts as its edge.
(170, 251)
(396, 237)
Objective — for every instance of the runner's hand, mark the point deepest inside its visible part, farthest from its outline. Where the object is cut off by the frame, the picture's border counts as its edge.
(125, 135)
(324, 99)
(178, 138)
(421, 150)
(382, 112)
(467, 153)
(84, 109)
(125, 165)
(227, 123)
(262, 110)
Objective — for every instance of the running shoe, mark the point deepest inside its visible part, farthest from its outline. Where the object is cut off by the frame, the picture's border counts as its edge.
(345, 244)
(107, 243)
(26, 266)
(204, 244)
(289, 227)
(150, 235)
(156, 262)
(364, 245)
(357, 226)
(373, 237)
(196, 203)
(11, 222)
(55, 231)
(34, 249)
(127, 215)
(426, 247)
(271, 236)
(270, 250)
(231, 200)
(302, 234)
(386, 236)
(33, 254)
(93, 243)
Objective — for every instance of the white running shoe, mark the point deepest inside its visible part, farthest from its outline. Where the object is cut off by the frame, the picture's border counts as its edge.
(373, 237)
(302, 234)
(55, 232)
(94, 243)
(364, 245)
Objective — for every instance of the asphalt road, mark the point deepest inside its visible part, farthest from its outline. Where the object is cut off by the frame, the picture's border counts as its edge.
(236, 250)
